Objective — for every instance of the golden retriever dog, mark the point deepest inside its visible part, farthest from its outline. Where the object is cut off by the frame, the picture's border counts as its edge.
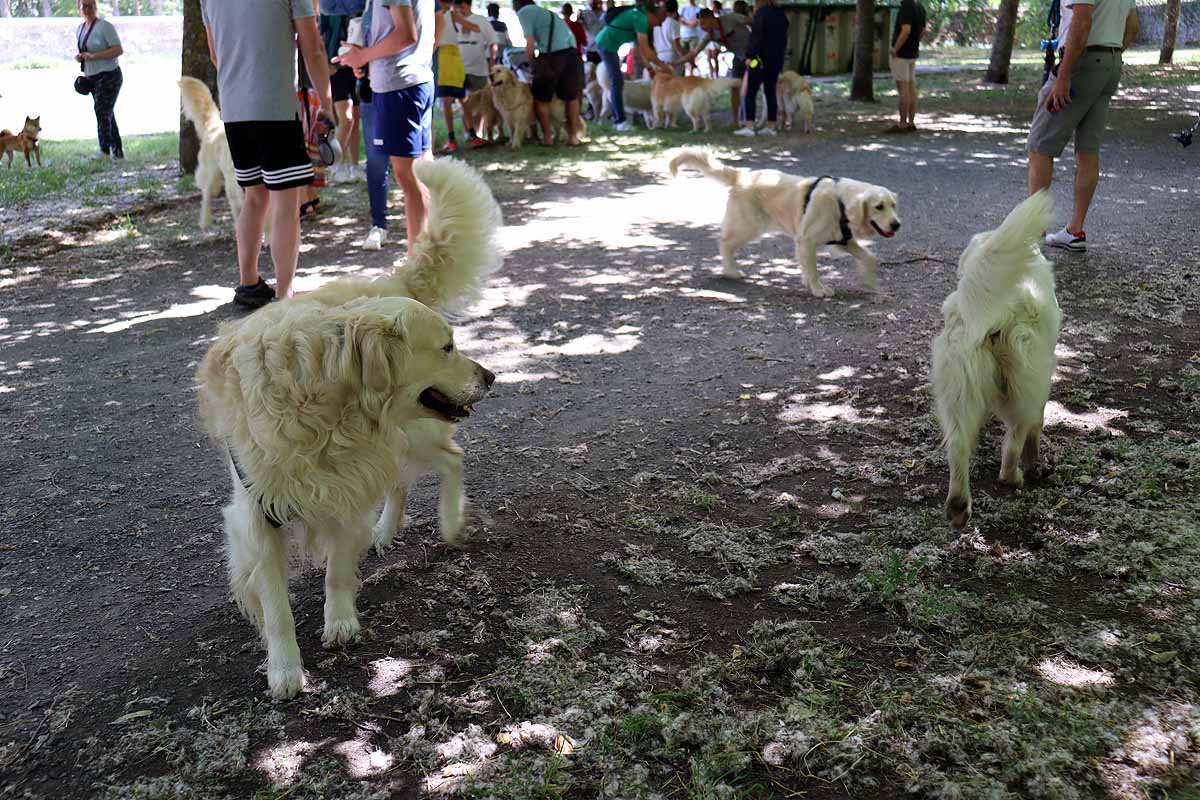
(670, 93)
(215, 166)
(482, 108)
(995, 355)
(635, 94)
(813, 211)
(795, 98)
(514, 100)
(330, 403)
(25, 142)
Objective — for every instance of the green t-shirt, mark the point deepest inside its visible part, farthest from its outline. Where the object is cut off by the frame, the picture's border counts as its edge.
(623, 30)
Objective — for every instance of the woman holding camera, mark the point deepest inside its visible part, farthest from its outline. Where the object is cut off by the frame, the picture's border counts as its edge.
(99, 48)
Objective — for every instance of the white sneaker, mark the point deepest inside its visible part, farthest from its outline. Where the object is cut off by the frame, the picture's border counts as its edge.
(1076, 243)
(623, 127)
(375, 239)
(744, 132)
(768, 132)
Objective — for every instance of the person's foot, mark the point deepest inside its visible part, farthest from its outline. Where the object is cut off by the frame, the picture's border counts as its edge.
(768, 132)
(623, 127)
(744, 132)
(574, 143)
(255, 296)
(311, 208)
(101, 156)
(910, 127)
(449, 147)
(375, 239)
(119, 154)
(897, 128)
(1064, 239)
(476, 141)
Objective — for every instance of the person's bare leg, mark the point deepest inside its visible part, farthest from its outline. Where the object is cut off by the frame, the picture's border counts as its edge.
(1087, 175)
(912, 104)
(902, 101)
(735, 105)
(1041, 170)
(470, 131)
(345, 126)
(542, 110)
(250, 225)
(415, 203)
(285, 238)
(355, 134)
(574, 123)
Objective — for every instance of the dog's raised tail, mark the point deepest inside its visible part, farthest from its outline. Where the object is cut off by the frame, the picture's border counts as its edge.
(707, 163)
(198, 103)
(451, 260)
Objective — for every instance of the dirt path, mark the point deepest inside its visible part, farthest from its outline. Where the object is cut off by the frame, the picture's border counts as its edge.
(708, 515)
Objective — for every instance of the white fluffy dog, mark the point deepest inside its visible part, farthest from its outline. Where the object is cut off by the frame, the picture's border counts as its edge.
(331, 402)
(995, 355)
(215, 167)
(813, 211)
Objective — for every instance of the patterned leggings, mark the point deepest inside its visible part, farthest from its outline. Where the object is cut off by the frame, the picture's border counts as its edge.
(106, 87)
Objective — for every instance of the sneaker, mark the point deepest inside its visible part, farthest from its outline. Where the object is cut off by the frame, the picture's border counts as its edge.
(897, 128)
(476, 141)
(255, 296)
(375, 239)
(449, 147)
(1075, 242)
(623, 127)
(768, 132)
(744, 132)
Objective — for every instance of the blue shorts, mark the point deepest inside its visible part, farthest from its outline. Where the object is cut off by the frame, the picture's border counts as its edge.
(404, 121)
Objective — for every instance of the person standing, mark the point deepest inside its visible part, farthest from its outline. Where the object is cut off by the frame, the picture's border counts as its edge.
(251, 45)
(449, 71)
(99, 48)
(1074, 102)
(557, 70)
(401, 67)
(630, 25)
(906, 46)
(667, 42)
(478, 50)
(499, 28)
(728, 32)
(592, 19)
(377, 157)
(764, 61)
(689, 30)
(344, 88)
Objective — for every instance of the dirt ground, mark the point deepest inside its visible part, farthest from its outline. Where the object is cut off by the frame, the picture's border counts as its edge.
(708, 556)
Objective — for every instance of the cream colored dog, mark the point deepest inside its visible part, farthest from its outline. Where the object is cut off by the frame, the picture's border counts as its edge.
(329, 403)
(795, 98)
(670, 93)
(215, 167)
(514, 101)
(635, 94)
(813, 211)
(995, 355)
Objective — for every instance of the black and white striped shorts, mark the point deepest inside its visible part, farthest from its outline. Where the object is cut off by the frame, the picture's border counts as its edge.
(270, 152)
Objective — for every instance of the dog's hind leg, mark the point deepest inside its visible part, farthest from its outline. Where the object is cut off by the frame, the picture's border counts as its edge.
(1031, 454)
(1011, 451)
(343, 550)
(806, 254)
(958, 498)
(732, 240)
(258, 577)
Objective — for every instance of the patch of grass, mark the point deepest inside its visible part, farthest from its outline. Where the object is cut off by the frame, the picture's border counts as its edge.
(895, 574)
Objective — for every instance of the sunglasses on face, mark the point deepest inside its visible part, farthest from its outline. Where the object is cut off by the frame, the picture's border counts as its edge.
(87, 6)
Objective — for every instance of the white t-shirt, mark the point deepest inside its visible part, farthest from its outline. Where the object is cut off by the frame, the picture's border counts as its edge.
(690, 13)
(664, 38)
(1108, 21)
(449, 29)
(475, 46)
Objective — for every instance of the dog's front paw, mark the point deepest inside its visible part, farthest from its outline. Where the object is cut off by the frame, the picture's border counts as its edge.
(453, 529)
(285, 680)
(382, 536)
(958, 511)
(821, 291)
(1014, 478)
(732, 274)
(340, 632)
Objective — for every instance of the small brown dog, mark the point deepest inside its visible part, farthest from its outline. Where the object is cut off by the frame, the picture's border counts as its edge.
(24, 142)
(487, 117)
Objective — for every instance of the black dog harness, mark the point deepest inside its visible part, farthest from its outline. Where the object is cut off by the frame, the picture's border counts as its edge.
(272, 520)
(843, 220)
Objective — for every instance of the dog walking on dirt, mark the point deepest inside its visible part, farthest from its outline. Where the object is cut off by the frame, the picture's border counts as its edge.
(25, 142)
(214, 168)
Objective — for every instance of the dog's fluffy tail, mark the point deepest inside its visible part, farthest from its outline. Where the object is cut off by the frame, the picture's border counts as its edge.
(198, 103)
(707, 163)
(997, 261)
(451, 260)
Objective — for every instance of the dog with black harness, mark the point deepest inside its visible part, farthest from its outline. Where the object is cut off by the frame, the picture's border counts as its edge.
(814, 212)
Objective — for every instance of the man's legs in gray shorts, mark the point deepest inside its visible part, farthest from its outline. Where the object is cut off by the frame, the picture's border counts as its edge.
(1093, 84)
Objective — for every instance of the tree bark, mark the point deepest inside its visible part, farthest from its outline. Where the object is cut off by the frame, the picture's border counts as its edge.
(1002, 42)
(5, 8)
(158, 7)
(196, 64)
(862, 85)
(116, 8)
(1170, 30)
(47, 9)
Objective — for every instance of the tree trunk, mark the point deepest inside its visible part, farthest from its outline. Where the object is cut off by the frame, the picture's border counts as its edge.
(158, 8)
(5, 8)
(862, 86)
(1002, 42)
(47, 9)
(197, 64)
(116, 8)
(1170, 29)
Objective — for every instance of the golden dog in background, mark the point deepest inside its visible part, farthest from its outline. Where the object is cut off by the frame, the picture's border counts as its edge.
(215, 164)
(25, 142)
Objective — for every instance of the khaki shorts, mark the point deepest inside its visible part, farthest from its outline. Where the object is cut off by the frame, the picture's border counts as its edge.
(904, 70)
(1093, 83)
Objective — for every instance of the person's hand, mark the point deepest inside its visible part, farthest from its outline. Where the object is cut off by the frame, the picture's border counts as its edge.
(1060, 94)
(354, 58)
(326, 120)
(82, 57)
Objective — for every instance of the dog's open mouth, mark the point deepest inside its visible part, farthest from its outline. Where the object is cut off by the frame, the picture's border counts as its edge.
(881, 231)
(443, 406)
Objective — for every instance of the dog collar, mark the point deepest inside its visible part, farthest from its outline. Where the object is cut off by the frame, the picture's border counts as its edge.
(843, 220)
(272, 520)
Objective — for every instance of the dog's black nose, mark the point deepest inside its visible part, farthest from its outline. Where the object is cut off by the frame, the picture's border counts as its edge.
(895, 226)
(489, 377)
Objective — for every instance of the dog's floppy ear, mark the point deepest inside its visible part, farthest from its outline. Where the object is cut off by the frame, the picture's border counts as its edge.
(376, 345)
